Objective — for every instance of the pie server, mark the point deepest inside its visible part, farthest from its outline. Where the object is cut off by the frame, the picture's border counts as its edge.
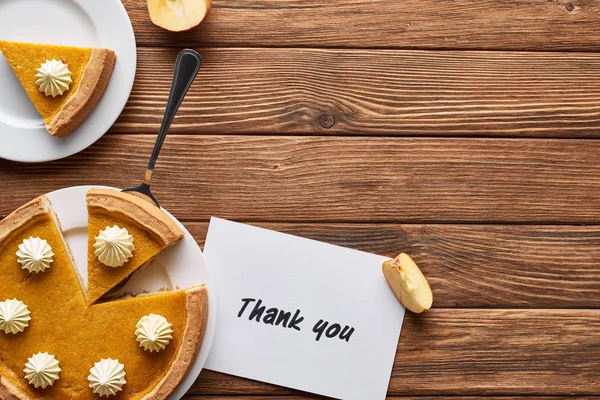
(186, 67)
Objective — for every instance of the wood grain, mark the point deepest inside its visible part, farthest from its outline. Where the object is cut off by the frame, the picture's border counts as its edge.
(478, 266)
(477, 352)
(373, 92)
(242, 397)
(308, 179)
(457, 24)
(308, 396)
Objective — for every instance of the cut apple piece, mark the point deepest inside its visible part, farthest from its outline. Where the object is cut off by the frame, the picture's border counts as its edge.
(408, 283)
(178, 15)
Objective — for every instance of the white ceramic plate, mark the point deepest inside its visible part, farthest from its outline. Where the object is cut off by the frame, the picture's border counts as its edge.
(182, 265)
(86, 23)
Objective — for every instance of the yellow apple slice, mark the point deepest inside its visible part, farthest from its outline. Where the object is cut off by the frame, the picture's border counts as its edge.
(178, 15)
(408, 283)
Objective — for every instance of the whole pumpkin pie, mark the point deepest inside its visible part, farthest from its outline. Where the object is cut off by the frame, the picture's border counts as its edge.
(74, 79)
(150, 228)
(55, 322)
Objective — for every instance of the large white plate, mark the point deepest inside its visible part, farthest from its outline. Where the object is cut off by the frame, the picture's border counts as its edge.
(87, 23)
(182, 265)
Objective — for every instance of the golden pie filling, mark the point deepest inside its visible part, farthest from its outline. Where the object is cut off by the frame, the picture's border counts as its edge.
(102, 278)
(152, 231)
(64, 83)
(26, 58)
(79, 335)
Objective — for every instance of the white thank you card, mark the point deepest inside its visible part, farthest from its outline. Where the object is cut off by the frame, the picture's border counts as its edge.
(301, 313)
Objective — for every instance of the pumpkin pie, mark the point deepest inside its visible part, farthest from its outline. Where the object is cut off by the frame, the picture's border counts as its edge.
(77, 334)
(151, 228)
(91, 69)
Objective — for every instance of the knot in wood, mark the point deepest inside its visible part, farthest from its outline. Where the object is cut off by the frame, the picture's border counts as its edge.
(326, 121)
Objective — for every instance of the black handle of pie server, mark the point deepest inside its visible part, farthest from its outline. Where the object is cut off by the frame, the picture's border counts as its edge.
(186, 68)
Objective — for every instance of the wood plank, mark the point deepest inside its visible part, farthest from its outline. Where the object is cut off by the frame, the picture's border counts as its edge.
(464, 24)
(477, 352)
(309, 396)
(373, 92)
(300, 397)
(478, 266)
(269, 397)
(257, 178)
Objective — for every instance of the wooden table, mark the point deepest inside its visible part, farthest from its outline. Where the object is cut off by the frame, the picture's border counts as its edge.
(462, 132)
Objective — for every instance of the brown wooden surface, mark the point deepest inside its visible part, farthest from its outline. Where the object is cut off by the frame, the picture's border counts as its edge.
(478, 352)
(516, 266)
(373, 92)
(301, 397)
(338, 179)
(462, 132)
(432, 24)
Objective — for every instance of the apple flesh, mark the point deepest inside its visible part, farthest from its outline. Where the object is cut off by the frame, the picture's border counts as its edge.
(178, 15)
(408, 283)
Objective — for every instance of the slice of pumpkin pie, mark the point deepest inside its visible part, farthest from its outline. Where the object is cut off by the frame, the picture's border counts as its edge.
(64, 83)
(125, 232)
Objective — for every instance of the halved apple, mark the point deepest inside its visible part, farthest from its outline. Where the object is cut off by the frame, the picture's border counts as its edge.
(408, 283)
(178, 15)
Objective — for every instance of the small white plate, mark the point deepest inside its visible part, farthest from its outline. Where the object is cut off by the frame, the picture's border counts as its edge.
(182, 265)
(86, 23)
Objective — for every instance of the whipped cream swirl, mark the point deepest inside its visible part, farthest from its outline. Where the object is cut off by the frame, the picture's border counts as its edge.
(107, 377)
(114, 246)
(14, 316)
(42, 370)
(53, 78)
(35, 255)
(153, 332)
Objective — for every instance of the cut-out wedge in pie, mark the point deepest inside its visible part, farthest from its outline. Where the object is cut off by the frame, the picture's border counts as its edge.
(90, 71)
(152, 230)
(79, 335)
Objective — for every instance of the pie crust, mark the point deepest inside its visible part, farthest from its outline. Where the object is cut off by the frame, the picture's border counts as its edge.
(94, 81)
(23, 214)
(143, 212)
(197, 317)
